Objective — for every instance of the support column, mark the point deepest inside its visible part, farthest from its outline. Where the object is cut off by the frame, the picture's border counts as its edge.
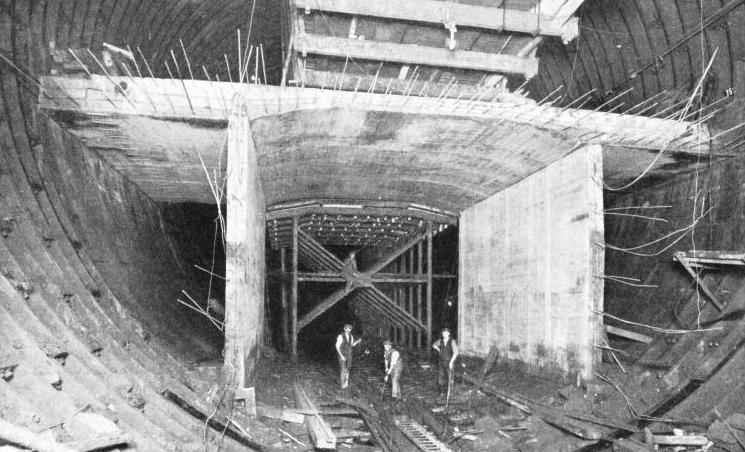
(531, 269)
(410, 301)
(419, 270)
(293, 303)
(429, 285)
(283, 298)
(245, 261)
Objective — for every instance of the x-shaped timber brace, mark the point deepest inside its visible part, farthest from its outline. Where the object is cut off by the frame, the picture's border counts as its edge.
(360, 286)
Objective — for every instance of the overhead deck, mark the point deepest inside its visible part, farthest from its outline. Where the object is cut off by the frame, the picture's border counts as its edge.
(331, 144)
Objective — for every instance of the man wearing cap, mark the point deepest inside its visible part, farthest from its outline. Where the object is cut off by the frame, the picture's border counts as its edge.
(448, 351)
(344, 343)
(393, 367)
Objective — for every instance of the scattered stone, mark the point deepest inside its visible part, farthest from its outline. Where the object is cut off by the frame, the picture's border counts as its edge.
(7, 372)
(53, 350)
(54, 380)
(6, 225)
(120, 383)
(137, 401)
(94, 346)
(25, 289)
(90, 425)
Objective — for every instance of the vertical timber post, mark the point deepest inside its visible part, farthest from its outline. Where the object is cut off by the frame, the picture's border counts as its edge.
(429, 284)
(285, 309)
(293, 303)
(410, 306)
(245, 261)
(419, 271)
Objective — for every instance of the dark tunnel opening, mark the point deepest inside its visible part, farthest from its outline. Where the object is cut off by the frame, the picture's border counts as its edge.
(196, 232)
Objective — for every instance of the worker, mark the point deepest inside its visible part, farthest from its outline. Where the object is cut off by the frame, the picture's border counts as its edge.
(349, 270)
(393, 367)
(448, 351)
(344, 344)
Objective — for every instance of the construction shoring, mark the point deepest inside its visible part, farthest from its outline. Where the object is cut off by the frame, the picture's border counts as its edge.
(293, 307)
(594, 126)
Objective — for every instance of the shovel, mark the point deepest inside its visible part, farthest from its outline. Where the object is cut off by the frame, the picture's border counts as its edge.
(450, 385)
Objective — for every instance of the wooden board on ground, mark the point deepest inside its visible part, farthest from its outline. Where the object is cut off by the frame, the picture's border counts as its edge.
(359, 405)
(549, 415)
(322, 435)
(346, 433)
(281, 414)
(217, 422)
(634, 336)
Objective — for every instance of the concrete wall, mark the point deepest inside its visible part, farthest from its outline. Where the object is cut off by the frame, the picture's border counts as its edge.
(120, 233)
(529, 267)
(245, 253)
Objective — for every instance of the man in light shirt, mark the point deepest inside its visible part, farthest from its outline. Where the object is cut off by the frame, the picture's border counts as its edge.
(344, 344)
(393, 367)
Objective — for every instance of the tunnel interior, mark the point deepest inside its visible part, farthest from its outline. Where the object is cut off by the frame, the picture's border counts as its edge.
(578, 165)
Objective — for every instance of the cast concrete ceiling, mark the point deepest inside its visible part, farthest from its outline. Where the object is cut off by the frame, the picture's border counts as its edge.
(313, 143)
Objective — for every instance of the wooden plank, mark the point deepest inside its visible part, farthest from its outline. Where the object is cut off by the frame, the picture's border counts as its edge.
(322, 435)
(680, 257)
(271, 412)
(216, 421)
(392, 85)
(391, 256)
(464, 15)
(420, 268)
(372, 208)
(715, 255)
(350, 433)
(390, 278)
(382, 308)
(101, 442)
(293, 302)
(565, 12)
(284, 301)
(553, 417)
(683, 440)
(413, 54)
(411, 320)
(428, 297)
(323, 306)
(634, 336)
(245, 258)
(359, 405)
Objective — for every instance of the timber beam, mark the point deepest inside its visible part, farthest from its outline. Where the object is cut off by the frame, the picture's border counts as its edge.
(413, 54)
(323, 306)
(437, 12)
(385, 278)
(560, 10)
(363, 280)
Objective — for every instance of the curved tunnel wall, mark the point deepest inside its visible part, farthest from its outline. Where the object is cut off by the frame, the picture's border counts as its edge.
(95, 316)
(88, 275)
(620, 37)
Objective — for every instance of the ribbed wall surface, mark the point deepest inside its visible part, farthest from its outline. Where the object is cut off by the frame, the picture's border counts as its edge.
(91, 286)
(619, 37)
(88, 276)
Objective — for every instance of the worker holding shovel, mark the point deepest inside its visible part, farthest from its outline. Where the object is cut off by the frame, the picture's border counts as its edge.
(393, 367)
(448, 351)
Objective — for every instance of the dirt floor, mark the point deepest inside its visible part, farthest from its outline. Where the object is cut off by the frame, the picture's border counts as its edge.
(473, 421)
